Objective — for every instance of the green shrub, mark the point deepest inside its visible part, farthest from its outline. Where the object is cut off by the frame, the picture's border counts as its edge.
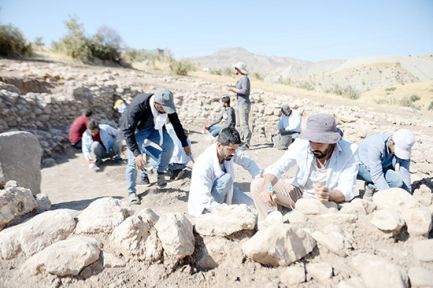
(228, 71)
(181, 68)
(215, 72)
(13, 43)
(348, 92)
(414, 98)
(152, 56)
(104, 45)
(390, 89)
(406, 101)
(258, 76)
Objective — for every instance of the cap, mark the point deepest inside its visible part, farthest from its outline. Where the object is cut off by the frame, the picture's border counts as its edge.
(165, 97)
(403, 142)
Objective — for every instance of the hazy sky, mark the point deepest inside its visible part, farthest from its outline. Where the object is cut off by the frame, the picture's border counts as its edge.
(304, 29)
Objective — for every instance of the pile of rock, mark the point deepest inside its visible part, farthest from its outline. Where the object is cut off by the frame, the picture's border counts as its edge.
(314, 243)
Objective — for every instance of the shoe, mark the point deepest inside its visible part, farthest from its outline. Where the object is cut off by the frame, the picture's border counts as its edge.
(160, 180)
(98, 163)
(181, 174)
(117, 159)
(133, 199)
(144, 181)
(174, 173)
(93, 167)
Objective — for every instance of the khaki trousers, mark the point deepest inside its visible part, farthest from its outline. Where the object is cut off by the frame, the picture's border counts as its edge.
(286, 193)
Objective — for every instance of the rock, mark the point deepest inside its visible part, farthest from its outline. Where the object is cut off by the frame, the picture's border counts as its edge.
(101, 216)
(378, 272)
(423, 250)
(331, 237)
(418, 221)
(176, 234)
(353, 282)
(295, 216)
(313, 206)
(271, 218)
(293, 275)
(395, 199)
(420, 277)
(25, 168)
(64, 258)
(338, 218)
(387, 221)
(278, 245)
(14, 202)
(36, 234)
(111, 261)
(226, 220)
(320, 271)
(423, 195)
(43, 203)
(358, 206)
(136, 237)
(214, 253)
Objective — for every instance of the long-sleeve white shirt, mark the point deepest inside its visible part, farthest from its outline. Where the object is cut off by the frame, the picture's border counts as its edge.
(204, 173)
(342, 167)
(290, 123)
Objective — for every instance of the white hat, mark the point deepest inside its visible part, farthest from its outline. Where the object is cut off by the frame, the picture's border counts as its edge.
(404, 141)
(241, 67)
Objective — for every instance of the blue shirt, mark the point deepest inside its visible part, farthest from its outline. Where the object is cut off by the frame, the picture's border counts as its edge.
(375, 155)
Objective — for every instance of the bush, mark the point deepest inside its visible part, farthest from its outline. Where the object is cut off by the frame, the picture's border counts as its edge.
(414, 98)
(104, 45)
(348, 91)
(13, 43)
(152, 56)
(258, 76)
(181, 68)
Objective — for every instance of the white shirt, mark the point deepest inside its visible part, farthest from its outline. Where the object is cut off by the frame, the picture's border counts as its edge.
(341, 171)
(179, 155)
(204, 173)
(290, 123)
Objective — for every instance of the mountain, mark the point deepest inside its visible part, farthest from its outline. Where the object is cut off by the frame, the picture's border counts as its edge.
(356, 75)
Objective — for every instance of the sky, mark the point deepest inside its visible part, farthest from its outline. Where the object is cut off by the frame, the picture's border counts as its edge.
(305, 29)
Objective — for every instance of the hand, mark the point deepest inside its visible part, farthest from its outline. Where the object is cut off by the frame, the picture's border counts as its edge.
(140, 162)
(187, 150)
(269, 198)
(322, 193)
(206, 127)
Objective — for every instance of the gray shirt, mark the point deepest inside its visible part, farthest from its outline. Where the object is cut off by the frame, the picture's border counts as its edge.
(243, 84)
(228, 115)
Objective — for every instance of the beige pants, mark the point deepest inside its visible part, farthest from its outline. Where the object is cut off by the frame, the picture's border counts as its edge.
(286, 193)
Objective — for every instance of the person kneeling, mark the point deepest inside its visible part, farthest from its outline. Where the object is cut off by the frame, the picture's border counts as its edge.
(213, 174)
(327, 169)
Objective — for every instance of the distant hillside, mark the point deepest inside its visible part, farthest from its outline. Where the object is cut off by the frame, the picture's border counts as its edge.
(337, 76)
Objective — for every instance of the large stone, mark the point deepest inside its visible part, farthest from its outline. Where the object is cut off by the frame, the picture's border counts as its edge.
(418, 221)
(395, 199)
(214, 253)
(358, 206)
(136, 237)
(14, 202)
(278, 245)
(420, 277)
(226, 220)
(320, 271)
(353, 282)
(293, 275)
(379, 272)
(423, 195)
(387, 221)
(111, 261)
(332, 238)
(295, 216)
(36, 234)
(43, 203)
(101, 216)
(64, 258)
(176, 234)
(20, 160)
(423, 250)
(314, 206)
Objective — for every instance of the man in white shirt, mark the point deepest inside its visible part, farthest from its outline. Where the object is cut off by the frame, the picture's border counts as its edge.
(288, 128)
(327, 169)
(213, 174)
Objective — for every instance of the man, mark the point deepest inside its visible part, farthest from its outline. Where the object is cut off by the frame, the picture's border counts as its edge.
(79, 125)
(243, 106)
(99, 142)
(327, 169)
(385, 161)
(288, 128)
(227, 116)
(213, 174)
(143, 127)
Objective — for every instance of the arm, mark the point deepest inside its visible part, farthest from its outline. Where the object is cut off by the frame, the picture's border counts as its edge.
(247, 163)
(376, 170)
(405, 173)
(85, 146)
(177, 126)
(231, 118)
(218, 120)
(347, 179)
(128, 125)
